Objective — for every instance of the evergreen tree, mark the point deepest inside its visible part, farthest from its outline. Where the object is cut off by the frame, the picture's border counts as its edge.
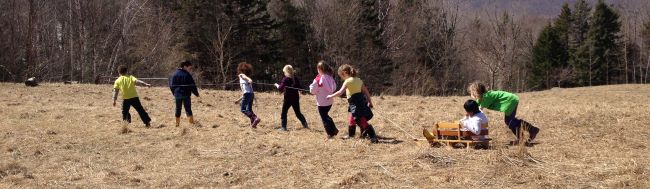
(604, 44)
(549, 56)
(563, 24)
(579, 52)
(248, 26)
(293, 34)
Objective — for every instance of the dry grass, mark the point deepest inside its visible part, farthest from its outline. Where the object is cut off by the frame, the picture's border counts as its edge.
(63, 136)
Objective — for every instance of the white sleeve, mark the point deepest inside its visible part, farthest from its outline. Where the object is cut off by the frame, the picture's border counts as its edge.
(472, 124)
(313, 88)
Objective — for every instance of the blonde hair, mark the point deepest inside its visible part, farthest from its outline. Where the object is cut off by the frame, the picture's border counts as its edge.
(348, 70)
(476, 89)
(288, 69)
(324, 67)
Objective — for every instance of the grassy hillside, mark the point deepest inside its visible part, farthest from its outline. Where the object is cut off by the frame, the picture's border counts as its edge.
(64, 136)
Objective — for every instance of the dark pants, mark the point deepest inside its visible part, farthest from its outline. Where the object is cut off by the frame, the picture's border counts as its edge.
(328, 122)
(514, 123)
(135, 102)
(296, 109)
(184, 102)
(247, 106)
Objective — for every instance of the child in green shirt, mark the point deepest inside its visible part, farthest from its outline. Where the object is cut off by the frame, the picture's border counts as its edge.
(126, 84)
(504, 102)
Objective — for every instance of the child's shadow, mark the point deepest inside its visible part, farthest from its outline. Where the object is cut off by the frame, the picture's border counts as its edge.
(388, 140)
(527, 144)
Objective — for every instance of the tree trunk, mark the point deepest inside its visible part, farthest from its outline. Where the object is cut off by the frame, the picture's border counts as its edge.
(71, 42)
(625, 39)
(12, 51)
(81, 41)
(29, 46)
(636, 39)
(647, 66)
(590, 63)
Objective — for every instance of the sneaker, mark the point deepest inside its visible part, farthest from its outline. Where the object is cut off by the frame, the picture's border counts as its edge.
(346, 137)
(148, 125)
(282, 129)
(255, 122)
(374, 140)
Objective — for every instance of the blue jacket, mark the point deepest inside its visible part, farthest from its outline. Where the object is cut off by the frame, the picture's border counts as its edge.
(182, 84)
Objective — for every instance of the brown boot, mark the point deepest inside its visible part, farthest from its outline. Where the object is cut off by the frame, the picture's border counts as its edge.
(191, 119)
(178, 121)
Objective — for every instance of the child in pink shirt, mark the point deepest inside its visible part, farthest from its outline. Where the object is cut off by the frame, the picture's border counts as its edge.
(322, 86)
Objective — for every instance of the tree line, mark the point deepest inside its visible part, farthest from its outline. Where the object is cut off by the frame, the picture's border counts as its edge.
(585, 47)
(411, 47)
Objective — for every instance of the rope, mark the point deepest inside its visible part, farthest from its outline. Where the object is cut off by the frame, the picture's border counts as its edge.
(146, 78)
(285, 86)
(215, 84)
(395, 125)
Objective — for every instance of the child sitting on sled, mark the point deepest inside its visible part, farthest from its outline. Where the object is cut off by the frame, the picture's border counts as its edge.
(474, 121)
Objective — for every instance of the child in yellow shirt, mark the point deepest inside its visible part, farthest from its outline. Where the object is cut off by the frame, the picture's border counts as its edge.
(359, 102)
(126, 84)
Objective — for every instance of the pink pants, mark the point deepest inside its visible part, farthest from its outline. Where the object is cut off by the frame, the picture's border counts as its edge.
(363, 122)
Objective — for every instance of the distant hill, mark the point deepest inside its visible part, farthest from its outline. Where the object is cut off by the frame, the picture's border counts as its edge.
(546, 8)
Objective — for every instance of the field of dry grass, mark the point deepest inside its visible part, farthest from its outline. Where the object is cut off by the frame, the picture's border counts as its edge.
(63, 136)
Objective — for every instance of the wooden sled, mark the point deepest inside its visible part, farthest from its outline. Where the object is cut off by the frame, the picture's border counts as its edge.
(450, 134)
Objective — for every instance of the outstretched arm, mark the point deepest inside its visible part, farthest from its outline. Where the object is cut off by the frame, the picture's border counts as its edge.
(115, 92)
(142, 82)
(239, 100)
(338, 93)
(313, 88)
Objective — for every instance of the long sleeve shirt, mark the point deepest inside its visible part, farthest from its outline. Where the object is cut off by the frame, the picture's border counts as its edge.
(290, 94)
(475, 124)
(322, 86)
(182, 84)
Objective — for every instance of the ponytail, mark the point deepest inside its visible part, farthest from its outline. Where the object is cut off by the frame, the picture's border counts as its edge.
(347, 69)
(354, 72)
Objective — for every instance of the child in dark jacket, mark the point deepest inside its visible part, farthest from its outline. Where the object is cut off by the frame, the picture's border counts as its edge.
(183, 86)
(291, 97)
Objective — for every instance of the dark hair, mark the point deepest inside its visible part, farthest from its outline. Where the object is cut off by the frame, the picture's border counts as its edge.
(471, 106)
(245, 68)
(324, 67)
(185, 64)
(347, 69)
(122, 70)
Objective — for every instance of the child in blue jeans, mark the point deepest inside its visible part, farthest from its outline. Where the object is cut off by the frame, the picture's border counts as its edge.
(182, 86)
(244, 70)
